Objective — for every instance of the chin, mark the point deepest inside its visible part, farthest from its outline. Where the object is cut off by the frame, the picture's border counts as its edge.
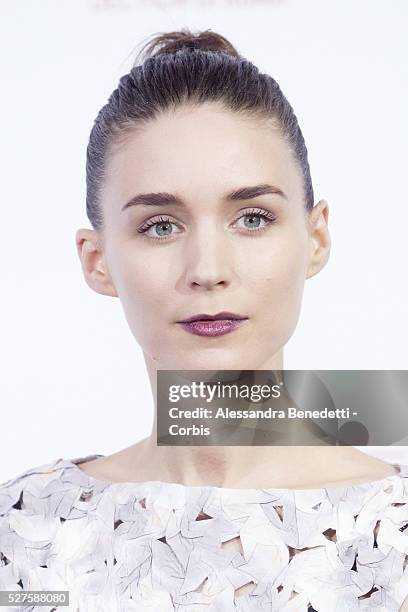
(216, 359)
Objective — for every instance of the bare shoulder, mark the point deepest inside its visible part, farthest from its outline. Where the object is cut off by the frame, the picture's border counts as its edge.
(355, 467)
(99, 468)
(404, 607)
(122, 466)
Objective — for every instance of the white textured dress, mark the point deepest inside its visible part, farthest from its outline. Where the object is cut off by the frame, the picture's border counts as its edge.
(156, 546)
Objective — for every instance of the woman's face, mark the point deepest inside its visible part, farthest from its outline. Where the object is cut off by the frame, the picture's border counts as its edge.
(207, 252)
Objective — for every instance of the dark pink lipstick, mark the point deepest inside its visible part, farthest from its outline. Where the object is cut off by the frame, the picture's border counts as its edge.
(212, 325)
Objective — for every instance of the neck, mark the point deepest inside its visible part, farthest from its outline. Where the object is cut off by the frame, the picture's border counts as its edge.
(250, 466)
(224, 466)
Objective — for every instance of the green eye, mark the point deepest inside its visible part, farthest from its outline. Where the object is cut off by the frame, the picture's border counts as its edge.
(254, 217)
(252, 223)
(162, 224)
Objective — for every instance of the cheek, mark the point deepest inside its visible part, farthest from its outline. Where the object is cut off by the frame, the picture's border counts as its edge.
(281, 261)
(277, 277)
(141, 277)
(142, 283)
(142, 297)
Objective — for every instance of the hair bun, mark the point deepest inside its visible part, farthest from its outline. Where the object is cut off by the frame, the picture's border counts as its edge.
(170, 42)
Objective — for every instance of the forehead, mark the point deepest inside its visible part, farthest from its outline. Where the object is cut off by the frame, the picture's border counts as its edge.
(200, 152)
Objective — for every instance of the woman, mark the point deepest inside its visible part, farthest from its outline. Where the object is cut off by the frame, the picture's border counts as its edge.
(201, 201)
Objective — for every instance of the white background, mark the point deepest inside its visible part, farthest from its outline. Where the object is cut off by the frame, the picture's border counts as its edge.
(73, 378)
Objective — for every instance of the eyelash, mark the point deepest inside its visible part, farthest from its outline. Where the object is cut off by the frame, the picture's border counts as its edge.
(269, 217)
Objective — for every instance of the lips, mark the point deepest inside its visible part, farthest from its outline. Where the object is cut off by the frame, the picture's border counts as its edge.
(227, 316)
(212, 325)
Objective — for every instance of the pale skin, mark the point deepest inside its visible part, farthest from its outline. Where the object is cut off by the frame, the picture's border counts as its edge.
(210, 261)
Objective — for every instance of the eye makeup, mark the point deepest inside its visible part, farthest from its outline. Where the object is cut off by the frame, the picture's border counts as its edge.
(267, 217)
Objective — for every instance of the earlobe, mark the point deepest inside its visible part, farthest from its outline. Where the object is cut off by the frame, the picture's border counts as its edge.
(320, 242)
(93, 262)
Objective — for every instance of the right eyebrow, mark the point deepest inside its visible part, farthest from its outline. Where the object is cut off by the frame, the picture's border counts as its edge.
(163, 198)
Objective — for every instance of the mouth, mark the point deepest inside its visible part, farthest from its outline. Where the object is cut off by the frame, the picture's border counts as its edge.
(212, 325)
(225, 316)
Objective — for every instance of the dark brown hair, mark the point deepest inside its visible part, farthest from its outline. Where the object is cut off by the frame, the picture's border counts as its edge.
(178, 67)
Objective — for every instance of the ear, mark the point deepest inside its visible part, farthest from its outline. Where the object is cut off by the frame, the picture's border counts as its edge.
(319, 241)
(91, 255)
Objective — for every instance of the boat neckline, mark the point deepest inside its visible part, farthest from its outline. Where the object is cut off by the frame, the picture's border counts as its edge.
(401, 470)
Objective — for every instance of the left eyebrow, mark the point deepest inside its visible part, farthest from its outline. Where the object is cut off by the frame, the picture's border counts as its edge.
(165, 199)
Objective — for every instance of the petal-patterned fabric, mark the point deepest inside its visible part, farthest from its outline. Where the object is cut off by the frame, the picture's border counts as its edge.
(158, 547)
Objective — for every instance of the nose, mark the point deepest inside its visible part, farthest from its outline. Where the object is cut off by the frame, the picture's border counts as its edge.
(208, 260)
